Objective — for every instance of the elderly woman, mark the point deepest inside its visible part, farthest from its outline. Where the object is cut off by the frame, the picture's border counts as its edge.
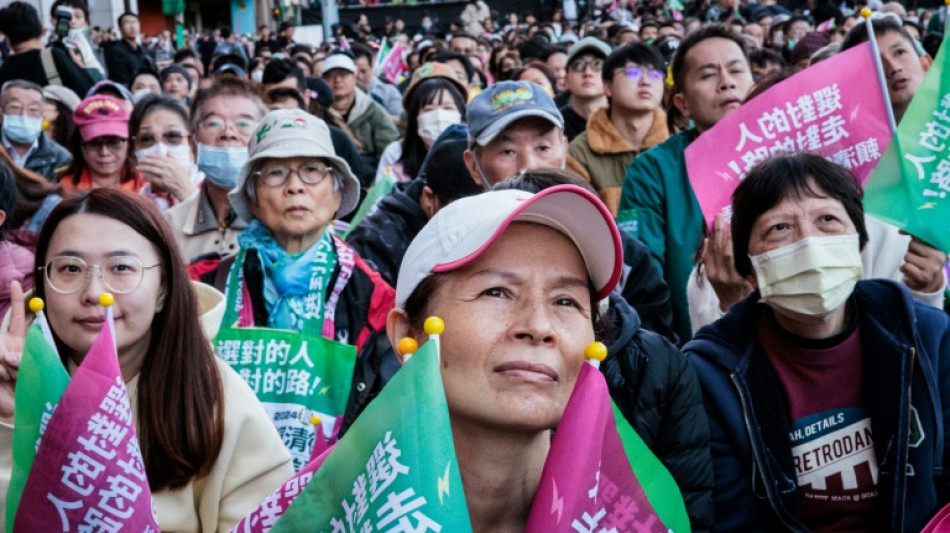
(517, 278)
(312, 302)
(100, 147)
(807, 382)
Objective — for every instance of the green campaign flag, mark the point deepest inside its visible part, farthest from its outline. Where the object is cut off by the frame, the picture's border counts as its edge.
(395, 469)
(41, 381)
(910, 186)
(381, 188)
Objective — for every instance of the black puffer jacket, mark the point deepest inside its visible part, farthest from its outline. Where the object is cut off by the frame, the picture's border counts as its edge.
(657, 391)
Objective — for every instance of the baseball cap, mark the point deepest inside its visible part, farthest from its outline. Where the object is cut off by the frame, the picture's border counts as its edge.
(342, 61)
(588, 45)
(286, 133)
(62, 94)
(105, 86)
(101, 116)
(492, 110)
(465, 229)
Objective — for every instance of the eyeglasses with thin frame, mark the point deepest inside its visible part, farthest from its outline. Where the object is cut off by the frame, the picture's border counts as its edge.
(581, 65)
(217, 125)
(113, 144)
(120, 274)
(169, 138)
(635, 73)
(277, 173)
(16, 108)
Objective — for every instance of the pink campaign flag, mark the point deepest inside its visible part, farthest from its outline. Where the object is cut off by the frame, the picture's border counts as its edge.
(88, 474)
(588, 484)
(835, 108)
(394, 68)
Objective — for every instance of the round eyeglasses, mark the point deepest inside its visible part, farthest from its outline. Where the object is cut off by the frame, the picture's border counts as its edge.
(310, 173)
(121, 274)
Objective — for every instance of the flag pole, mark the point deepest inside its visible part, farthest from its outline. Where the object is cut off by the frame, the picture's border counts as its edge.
(595, 353)
(37, 305)
(106, 300)
(879, 67)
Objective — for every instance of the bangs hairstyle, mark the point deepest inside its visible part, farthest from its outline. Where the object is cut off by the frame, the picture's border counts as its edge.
(790, 175)
(180, 418)
(225, 86)
(636, 53)
(150, 104)
(413, 148)
(859, 32)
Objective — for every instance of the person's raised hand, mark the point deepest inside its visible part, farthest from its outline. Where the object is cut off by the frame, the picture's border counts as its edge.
(923, 267)
(167, 174)
(730, 287)
(11, 346)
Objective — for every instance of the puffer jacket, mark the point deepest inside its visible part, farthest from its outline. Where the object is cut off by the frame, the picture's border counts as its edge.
(657, 391)
(906, 369)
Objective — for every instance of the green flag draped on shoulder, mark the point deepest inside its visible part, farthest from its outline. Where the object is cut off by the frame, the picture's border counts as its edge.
(910, 188)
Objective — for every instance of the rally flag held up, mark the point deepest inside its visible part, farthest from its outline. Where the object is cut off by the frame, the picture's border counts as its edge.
(910, 188)
(383, 186)
(590, 480)
(836, 108)
(88, 471)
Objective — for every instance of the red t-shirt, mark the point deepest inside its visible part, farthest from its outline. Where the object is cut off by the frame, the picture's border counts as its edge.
(830, 431)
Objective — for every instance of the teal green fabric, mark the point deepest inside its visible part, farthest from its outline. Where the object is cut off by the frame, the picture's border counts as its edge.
(669, 219)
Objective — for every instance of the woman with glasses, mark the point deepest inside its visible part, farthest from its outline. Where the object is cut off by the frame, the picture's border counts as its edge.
(100, 148)
(163, 154)
(209, 450)
(308, 309)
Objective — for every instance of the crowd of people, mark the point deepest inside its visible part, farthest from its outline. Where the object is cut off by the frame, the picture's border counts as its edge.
(787, 367)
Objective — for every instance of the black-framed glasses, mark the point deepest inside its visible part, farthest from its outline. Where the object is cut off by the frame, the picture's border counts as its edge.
(169, 138)
(581, 65)
(120, 274)
(113, 144)
(635, 74)
(277, 173)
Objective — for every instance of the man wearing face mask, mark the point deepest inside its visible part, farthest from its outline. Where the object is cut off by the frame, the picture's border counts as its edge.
(21, 130)
(224, 117)
(807, 382)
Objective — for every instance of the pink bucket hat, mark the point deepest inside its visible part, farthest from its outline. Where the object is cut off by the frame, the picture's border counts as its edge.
(101, 116)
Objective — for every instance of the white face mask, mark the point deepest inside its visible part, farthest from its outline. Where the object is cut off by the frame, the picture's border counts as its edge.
(810, 279)
(257, 75)
(180, 153)
(433, 123)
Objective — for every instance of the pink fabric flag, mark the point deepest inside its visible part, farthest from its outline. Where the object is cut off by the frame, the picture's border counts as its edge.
(88, 474)
(394, 67)
(587, 484)
(835, 108)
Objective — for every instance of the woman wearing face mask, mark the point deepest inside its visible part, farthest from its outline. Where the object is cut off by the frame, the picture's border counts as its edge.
(100, 148)
(159, 132)
(807, 382)
(434, 101)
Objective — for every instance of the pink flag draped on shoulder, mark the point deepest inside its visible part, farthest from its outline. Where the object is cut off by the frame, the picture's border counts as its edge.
(587, 483)
(835, 108)
(88, 474)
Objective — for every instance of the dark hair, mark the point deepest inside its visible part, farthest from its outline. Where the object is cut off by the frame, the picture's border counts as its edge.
(361, 50)
(118, 21)
(73, 4)
(31, 191)
(549, 51)
(225, 32)
(20, 22)
(8, 198)
(185, 53)
(78, 164)
(278, 70)
(286, 93)
(637, 53)
(678, 67)
(63, 124)
(762, 56)
(445, 57)
(537, 65)
(859, 32)
(413, 148)
(790, 175)
(180, 398)
(150, 104)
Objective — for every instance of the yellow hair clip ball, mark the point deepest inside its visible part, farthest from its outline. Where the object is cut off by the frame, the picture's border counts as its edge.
(595, 350)
(866, 13)
(36, 305)
(407, 346)
(106, 299)
(433, 326)
(315, 420)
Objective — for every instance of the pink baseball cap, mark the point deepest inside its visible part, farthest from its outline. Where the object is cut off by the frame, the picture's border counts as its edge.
(463, 230)
(101, 116)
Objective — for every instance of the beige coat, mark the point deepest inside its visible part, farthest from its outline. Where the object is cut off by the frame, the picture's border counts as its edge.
(197, 231)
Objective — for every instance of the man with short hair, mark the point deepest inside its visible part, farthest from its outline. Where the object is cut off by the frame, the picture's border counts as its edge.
(20, 23)
(711, 77)
(386, 93)
(463, 44)
(125, 57)
(369, 123)
(21, 130)
(585, 61)
(631, 123)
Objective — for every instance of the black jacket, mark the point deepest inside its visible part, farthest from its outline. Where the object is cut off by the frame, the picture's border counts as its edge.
(383, 237)
(123, 62)
(29, 66)
(657, 391)
(644, 288)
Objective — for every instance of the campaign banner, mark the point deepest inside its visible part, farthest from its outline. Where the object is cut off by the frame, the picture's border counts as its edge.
(589, 483)
(41, 368)
(836, 109)
(88, 474)
(395, 469)
(295, 376)
(393, 67)
(910, 186)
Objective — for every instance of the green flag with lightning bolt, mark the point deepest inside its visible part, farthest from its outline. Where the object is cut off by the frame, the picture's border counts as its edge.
(395, 469)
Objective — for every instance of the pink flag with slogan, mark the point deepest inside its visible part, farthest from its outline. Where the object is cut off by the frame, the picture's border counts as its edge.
(835, 108)
(394, 68)
(88, 474)
(587, 483)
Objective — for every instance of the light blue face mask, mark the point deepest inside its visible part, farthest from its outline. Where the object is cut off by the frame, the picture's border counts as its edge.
(21, 128)
(221, 164)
